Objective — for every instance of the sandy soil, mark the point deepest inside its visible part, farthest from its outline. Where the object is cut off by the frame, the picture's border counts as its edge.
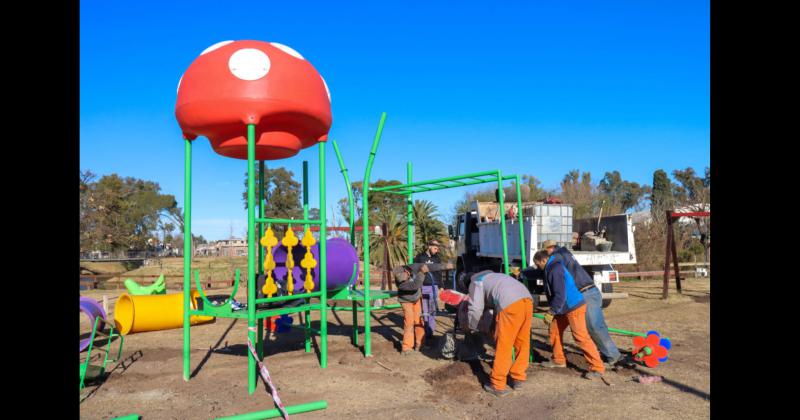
(148, 379)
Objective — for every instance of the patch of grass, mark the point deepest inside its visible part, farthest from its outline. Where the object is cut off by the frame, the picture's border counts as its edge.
(107, 267)
(213, 267)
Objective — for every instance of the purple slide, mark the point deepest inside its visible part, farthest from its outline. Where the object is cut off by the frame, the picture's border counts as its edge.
(342, 259)
(94, 310)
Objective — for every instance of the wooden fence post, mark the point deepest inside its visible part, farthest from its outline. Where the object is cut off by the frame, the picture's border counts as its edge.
(665, 292)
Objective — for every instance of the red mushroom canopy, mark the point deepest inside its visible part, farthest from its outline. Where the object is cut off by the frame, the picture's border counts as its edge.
(235, 83)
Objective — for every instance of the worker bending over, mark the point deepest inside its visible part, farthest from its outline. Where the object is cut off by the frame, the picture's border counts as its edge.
(567, 309)
(513, 307)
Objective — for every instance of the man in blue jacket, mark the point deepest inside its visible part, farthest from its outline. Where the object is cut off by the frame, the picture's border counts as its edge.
(567, 309)
(595, 321)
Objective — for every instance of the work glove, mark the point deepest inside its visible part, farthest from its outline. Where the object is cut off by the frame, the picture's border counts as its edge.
(548, 318)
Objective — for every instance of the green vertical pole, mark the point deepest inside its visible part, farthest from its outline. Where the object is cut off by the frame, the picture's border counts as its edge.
(187, 252)
(410, 217)
(502, 211)
(251, 254)
(307, 313)
(260, 268)
(323, 263)
(351, 213)
(365, 234)
(522, 250)
(305, 193)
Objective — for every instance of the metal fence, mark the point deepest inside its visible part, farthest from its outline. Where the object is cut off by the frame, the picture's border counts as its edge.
(130, 255)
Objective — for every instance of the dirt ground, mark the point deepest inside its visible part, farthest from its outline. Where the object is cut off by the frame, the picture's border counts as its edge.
(148, 380)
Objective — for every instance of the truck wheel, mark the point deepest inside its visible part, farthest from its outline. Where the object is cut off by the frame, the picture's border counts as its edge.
(607, 288)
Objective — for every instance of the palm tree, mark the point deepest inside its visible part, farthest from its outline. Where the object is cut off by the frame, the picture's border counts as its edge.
(428, 227)
(393, 240)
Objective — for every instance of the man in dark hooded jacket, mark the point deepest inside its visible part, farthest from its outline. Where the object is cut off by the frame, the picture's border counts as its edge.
(595, 321)
(408, 279)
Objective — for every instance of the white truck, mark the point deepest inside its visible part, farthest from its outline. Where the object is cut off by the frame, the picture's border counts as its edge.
(477, 237)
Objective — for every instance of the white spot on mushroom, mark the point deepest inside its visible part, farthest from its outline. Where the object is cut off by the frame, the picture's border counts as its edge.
(179, 84)
(215, 46)
(326, 88)
(249, 64)
(287, 50)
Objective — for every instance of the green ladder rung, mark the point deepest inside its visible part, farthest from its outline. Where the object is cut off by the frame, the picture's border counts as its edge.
(264, 313)
(373, 294)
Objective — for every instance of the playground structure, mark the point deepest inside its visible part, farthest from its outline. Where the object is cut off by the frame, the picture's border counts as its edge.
(269, 92)
(133, 314)
(409, 189)
(671, 250)
(261, 101)
(98, 320)
(159, 287)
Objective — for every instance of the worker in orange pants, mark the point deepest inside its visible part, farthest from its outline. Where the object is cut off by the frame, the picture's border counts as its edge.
(576, 320)
(567, 309)
(513, 330)
(409, 281)
(514, 308)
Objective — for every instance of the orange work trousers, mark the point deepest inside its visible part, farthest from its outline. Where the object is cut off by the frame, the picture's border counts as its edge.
(413, 329)
(576, 320)
(513, 330)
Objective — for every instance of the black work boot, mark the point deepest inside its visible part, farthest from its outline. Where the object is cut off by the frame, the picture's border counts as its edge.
(497, 393)
(515, 384)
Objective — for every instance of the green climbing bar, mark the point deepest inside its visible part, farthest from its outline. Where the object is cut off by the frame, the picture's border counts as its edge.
(365, 235)
(187, 253)
(251, 254)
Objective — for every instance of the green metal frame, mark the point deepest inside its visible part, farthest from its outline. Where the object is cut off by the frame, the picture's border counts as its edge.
(268, 414)
(408, 189)
(84, 367)
(255, 317)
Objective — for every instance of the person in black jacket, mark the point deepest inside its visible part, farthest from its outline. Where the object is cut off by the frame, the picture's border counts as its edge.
(408, 279)
(430, 286)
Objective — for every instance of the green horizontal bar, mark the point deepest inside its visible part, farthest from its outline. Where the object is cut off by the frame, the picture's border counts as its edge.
(265, 313)
(268, 414)
(433, 181)
(289, 221)
(372, 308)
(449, 186)
(303, 327)
(219, 313)
(288, 297)
(616, 330)
(464, 184)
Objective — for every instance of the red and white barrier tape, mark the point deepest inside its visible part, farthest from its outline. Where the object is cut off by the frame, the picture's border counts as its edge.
(265, 375)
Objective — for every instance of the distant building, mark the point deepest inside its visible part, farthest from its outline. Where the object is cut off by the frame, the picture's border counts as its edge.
(232, 247)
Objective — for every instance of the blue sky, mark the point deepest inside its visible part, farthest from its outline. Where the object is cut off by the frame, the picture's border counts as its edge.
(525, 87)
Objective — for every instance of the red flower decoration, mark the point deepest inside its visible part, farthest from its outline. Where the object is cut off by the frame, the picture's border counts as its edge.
(649, 350)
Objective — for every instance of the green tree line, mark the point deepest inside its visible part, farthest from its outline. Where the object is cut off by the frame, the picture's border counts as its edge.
(120, 213)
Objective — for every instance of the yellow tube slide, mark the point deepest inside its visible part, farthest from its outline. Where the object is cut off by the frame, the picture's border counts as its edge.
(134, 314)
